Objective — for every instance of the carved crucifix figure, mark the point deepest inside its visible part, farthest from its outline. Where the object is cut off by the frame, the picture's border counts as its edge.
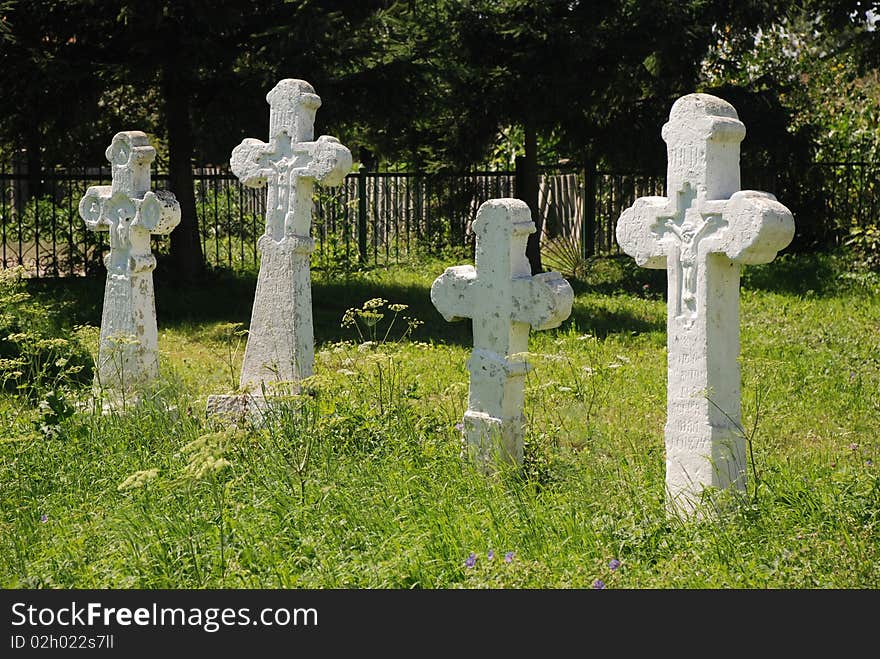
(702, 234)
(504, 300)
(280, 345)
(128, 352)
(690, 219)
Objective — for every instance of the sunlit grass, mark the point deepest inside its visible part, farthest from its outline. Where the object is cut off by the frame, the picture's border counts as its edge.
(358, 482)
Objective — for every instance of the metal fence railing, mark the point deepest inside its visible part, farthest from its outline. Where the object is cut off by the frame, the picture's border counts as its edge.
(383, 217)
(372, 218)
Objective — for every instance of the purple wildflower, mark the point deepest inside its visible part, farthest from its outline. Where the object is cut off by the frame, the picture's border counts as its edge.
(869, 462)
(508, 557)
(44, 518)
(471, 560)
(491, 555)
(613, 564)
(598, 584)
(459, 426)
(853, 447)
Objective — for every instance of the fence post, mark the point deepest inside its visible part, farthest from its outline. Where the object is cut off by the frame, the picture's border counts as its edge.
(362, 213)
(588, 235)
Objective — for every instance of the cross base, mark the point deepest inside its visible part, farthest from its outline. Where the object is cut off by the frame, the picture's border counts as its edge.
(280, 345)
(237, 408)
(251, 407)
(704, 456)
(129, 353)
(489, 441)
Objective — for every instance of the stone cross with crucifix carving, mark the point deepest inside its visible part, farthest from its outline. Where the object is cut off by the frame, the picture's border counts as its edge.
(128, 353)
(701, 233)
(503, 300)
(280, 345)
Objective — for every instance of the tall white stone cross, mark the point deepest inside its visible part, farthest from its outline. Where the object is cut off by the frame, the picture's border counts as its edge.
(280, 345)
(128, 353)
(702, 233)
(504, 300)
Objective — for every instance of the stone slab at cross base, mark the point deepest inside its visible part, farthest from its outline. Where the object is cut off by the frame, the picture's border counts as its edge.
(237, 408)
(504, 301)
(130, 213)
(702, 233)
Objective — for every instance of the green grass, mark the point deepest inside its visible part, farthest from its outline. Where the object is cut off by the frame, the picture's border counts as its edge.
(359, 484)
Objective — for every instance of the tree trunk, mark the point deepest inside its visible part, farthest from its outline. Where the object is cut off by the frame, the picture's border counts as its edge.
(186, 246)
(527, 190)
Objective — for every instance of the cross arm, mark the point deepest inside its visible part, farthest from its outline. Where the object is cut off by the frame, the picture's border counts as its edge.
(636, 235)
(330, 161)
(248, 162)
(543, 301)
(92, 204)
(450, 292)
(758, 226)
(158, 212)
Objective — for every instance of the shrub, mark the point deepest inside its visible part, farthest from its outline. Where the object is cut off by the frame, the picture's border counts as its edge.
(35, 355)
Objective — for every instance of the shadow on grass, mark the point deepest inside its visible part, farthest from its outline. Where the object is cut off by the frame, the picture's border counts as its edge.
(616, 274)
(817, 273)
(799, 274)
(602, 323)
(224, 296)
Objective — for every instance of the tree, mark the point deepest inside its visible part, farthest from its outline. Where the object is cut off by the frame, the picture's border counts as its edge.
(50, 92)
(599, 76)
(183, 54)
(807, 86)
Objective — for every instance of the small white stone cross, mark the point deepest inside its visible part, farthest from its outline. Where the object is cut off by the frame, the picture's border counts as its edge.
(702, 233)
(128, 353)
(280, 345)
(504, 300)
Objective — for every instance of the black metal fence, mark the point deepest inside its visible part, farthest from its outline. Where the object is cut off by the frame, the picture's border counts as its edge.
(372, 218)
(381, 218)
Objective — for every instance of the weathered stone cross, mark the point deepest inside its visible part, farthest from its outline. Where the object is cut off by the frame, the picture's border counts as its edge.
(128, 352)
(702, 233)
(504, 300)
(280, 345)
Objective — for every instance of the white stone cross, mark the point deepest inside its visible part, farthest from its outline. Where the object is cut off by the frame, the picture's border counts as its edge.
(702, 233)
(504, 300)
(128, 353)
(280, 345)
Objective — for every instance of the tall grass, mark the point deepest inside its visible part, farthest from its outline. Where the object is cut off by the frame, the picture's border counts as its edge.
(358, 483)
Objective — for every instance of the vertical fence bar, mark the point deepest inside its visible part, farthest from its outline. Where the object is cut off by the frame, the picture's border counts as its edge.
(4, 209)
(240, 228)
(362, 213)
(18, 210)
(406, 209)
(346, 221)
(71, 245)
(36, 202)
(215, 224)
(386, 211)
(229, 232)
(54, 189)
(588, 231)
(374, 217)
